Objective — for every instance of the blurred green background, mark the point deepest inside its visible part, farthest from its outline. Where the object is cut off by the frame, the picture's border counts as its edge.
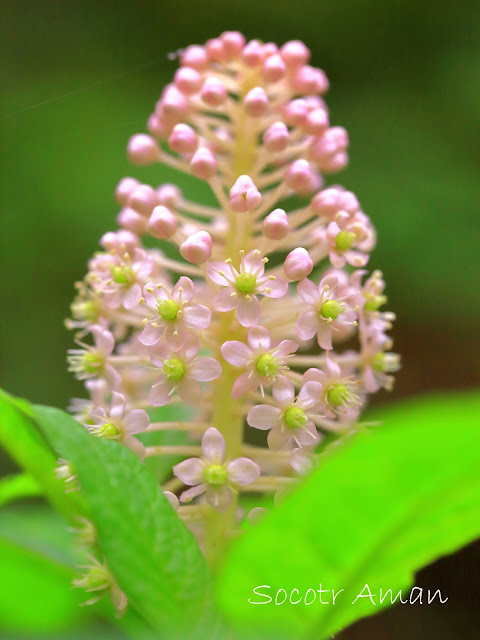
(79, 77)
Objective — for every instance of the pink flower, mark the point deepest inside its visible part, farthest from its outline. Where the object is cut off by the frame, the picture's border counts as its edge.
(240, 288)
(120, 425)
(377, 364)
(92, 360)
(181, 370)
(328, 311)
(263, 363)
(211, 475)
(174, 313)
(289, 419)
(349, 238)
(127, 276)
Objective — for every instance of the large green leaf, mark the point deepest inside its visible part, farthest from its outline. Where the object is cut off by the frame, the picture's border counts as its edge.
(378, 508)
(155, 559)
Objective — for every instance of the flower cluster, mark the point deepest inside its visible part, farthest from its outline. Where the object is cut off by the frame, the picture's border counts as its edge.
(265, 319)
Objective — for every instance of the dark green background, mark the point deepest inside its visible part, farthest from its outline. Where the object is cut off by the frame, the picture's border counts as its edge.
(78, 78)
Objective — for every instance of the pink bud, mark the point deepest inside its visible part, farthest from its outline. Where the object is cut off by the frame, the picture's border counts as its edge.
(276, 137)
(174, 104)
(142, 149)
(252, 54)
(132, 220)
(295, 54)
(336, 162)
(215, 50)
(188, 80)
(310, 80)
(273, 68)
(299, 176)
(158, 127)
(162, 223)
(244, 195)
(197, 248)
(183, 139)
(295, 112)
(169, 195)
(203, 164)
(276, 226)
(143, 199)
(331, 142)
(124, 189)
(194, 56)
(316, 122)
(233, 43)
(348, 202)
(121, 240)
(256, 102)
(298, 264)
(213, 92)
(326, 202)
(269, 49)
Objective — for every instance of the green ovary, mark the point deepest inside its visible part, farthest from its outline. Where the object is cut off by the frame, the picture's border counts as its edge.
(215, 475)
(344, 240)
(173, 369)
(246, 283)
(91, 363)
(167, 309)
(332, 309)
(121, 275)
(108, 430)
(337, 395)
(375, 302)
(267, 365)
(378, 361)
(295, 418)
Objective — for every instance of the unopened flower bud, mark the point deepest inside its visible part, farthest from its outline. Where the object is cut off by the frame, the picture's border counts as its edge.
(276, 137)
(124, 189)
(316, 122)
(275, 226)
(194, 56)
(142, 149)
(197, 248)
(183, 139)
(233, 43)
(131, 220)
(256, 102)
(244, 195)
(252, 54)
(203, 164)
(143, 199)
(300, 176)
(273, 69)
(310, 80)
(298, 264)
(213, 92)
(169, 195)
(187, 80)
(215, 50)
(162, 223)
(295, 54)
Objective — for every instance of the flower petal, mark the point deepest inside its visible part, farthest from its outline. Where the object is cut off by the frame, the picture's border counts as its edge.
(245, 382)
(117, 405)
(213, 446)
(190, 494)
(259, 339)
(278, 438)
(213, 272)
(308, 291)
(263, 416)
(253, 263)
(136, 421)
(160, 393)
(307, 325)
(224, 300)
(219, 497)
(243, 471)
(190, 391)
(196, 316)
(324, 335)
(184, 290)
(283, 392)
(309, 395)
(150, 334)
(248, 311)
(236, 353)
(190, 471)
(277, 288)
(285, 348)
(205, 369)
(132, 297)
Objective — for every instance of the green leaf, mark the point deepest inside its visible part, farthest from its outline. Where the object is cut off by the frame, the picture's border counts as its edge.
(155, 559)
(380, 506)
(25, 444)
(17, 486)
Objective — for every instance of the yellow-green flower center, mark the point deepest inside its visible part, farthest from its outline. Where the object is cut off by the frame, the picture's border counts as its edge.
(332, 309)
(373, 303)
(108, 430)
(295, 418)
(378, 361)
(215, 475)
(267, 365)
(91, 362)
(121, 275)
(344, 240)
(173, 369)
(167, 309)
(337, 395)
(246, 283)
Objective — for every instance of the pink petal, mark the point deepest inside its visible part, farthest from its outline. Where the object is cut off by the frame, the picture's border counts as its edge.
(224, 301)
(253, 263)
(307, 325)
(117, 405)
(308, 291)
(369, 381)
(160, 393)
(213, 269)
(314, 374)
(278, 437)
(172, 498)
(236, 353)
(150, 334)
(190, 494)
(245, 382)
(330, 281)
(191, 347)
(152, 294)
(187, 292)
(278, 288)
(205, 369)
(135, 445)
(104, 340)
(337, 260)
(283, 392)
(112, 376)
(196, 316)
(263, 416)
(219, 497)
(324, 335)
(243, 471)
(248, 311)
(332, 367)
(307, 435)
(132, 297)
(285, 348)
(136, 421)
(301, 461)
(159, 353)
(175, 335)
(213, 446)
(356, 258)
(309, 395)
(99, 416)
(190, 471)
(259, 339)
(190, 391)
